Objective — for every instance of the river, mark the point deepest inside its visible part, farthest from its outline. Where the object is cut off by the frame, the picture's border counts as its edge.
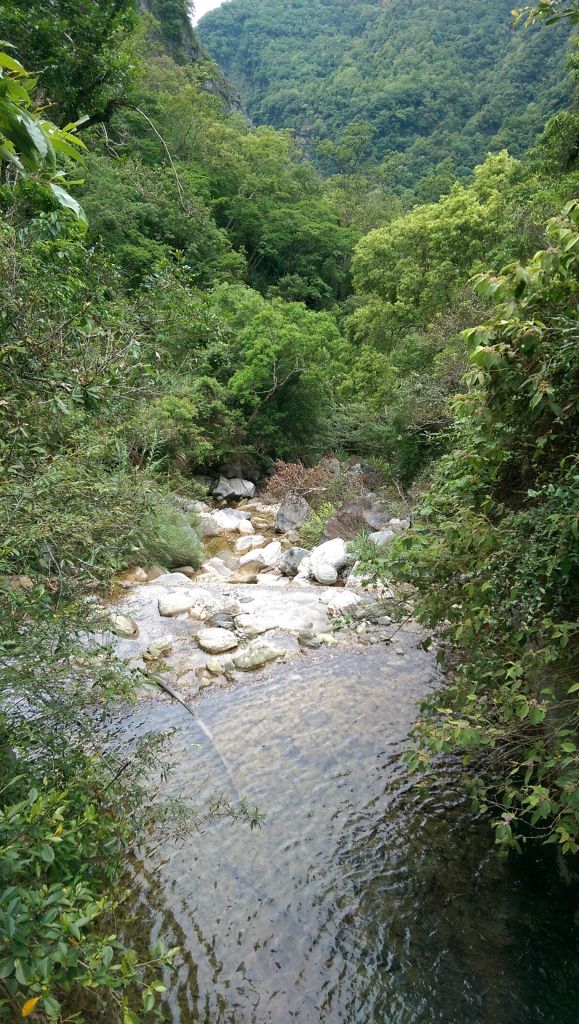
(362, 899)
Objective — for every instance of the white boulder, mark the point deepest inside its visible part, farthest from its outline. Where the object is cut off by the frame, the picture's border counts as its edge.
(216, 641)
(245, 527)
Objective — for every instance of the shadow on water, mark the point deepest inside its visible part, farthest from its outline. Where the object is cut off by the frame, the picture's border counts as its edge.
(362, 900)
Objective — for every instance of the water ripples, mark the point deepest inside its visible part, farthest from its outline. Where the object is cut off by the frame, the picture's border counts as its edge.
(362, 900)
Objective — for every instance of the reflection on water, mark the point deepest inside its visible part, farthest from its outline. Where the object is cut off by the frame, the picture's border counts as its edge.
(361, 900)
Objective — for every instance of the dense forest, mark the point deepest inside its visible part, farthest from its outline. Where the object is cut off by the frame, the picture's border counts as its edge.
(427, 87)
(181, 288)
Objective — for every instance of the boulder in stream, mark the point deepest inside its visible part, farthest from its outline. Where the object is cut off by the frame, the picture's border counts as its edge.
(293, 511)
(233, 488)
(217, 641)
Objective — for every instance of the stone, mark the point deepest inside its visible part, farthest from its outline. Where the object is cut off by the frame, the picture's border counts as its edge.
(243, 577)
(342, 601)
(175, 604)
(245, 544)
(253, 561)
(214, 666)
(355, 516)
(330, 555)
(208, 527)
(381, 538)
(158, 648)
(245, 527)
(204, 483)
(228, 519)
(188, 571)
(291, 560)
(252, 624)
(217, 641)
(272, 554)
(216, 567)
(399, 525)
(233, 488)
(171, 579)
(199, 603)
(124, 627)
(293, 511)
(325, 574)
(222, 620)
(257, 654)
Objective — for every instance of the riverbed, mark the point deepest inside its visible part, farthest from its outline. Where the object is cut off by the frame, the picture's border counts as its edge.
(363, 898)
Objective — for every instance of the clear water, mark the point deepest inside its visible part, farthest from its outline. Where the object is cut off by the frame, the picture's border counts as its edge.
(361, 900)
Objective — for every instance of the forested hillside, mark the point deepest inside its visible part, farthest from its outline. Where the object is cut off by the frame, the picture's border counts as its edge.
(182, 291)
(432, 84)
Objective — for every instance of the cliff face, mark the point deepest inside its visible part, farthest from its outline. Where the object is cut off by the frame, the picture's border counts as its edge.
(177, 37)
(429, 80)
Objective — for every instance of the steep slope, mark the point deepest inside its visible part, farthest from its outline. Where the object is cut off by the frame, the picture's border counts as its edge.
(432, 80)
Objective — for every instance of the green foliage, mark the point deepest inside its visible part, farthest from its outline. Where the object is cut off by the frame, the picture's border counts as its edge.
(31, 145)
(549, 11)
(494, 554)
(76, 46)
(403, 87)
(311, 531)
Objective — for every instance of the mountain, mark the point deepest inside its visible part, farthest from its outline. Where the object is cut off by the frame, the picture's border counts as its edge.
(426, 82)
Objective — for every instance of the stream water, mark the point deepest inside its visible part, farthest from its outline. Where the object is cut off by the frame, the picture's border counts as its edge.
(361, 900)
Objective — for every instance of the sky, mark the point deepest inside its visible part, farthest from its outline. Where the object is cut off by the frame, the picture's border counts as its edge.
(202, 6)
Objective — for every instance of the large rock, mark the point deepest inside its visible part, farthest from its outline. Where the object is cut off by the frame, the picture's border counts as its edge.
(199, 603)
(216, 567)
(332, 552)
(124, 627)
(257, 654)
(325, 574)
(253, 561)
(234, 488)
(228, 519)
(245, 527)
(355, 516)
(217, 641)
(272, 554)
(293, 511)
(208, 526)
(291, 560)
(176, 603)
(341, 601)
(245, 544)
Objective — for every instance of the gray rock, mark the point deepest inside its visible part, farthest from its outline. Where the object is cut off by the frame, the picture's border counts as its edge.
(233, 488)
(216, 567)
(291, 560)
(217, 641)
(293, 511)
(124, 627)
(256, 654)
(158, 648)
(208, 527)
(355, 516)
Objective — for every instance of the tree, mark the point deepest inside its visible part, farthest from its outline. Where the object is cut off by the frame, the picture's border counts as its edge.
(30, 145)
(494, 555)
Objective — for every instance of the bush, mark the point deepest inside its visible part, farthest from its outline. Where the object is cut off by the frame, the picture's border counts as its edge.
(493, 556)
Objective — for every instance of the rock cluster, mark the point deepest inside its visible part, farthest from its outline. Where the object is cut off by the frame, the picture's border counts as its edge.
(257, 598)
